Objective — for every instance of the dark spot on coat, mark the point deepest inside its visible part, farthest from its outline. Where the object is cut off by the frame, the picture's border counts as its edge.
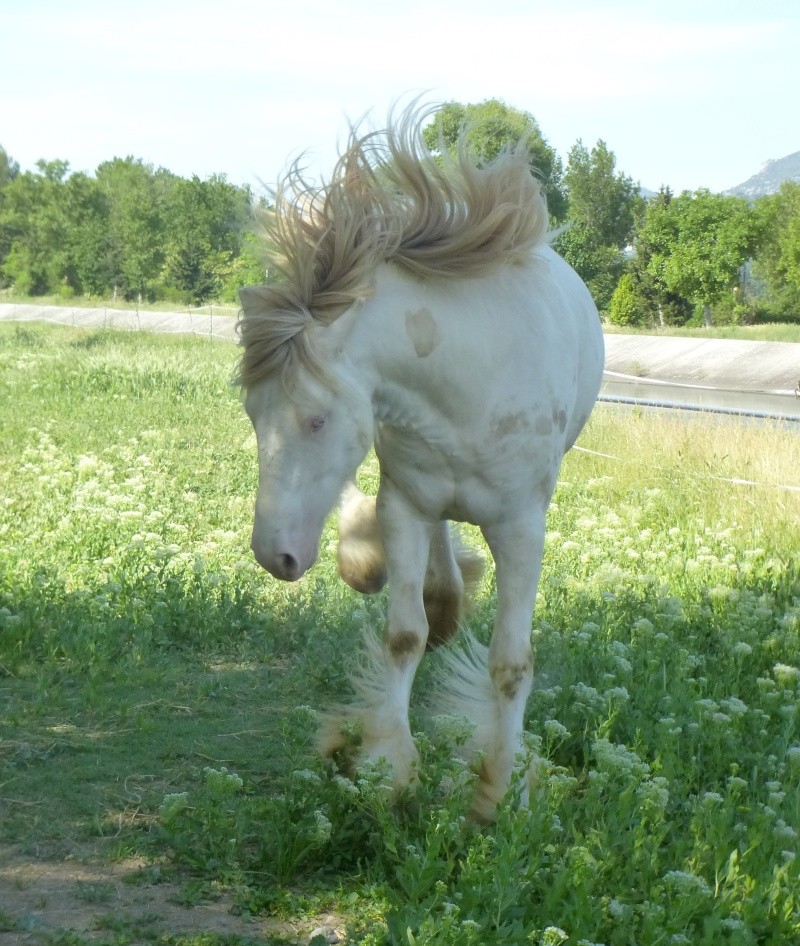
(423, 331)
(509, 424)
(403, 643)
(560, 418)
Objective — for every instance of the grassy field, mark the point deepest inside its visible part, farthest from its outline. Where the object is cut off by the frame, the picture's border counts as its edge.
(158, 693)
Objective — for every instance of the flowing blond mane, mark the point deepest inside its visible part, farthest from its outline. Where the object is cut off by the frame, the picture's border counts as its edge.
(388, 201)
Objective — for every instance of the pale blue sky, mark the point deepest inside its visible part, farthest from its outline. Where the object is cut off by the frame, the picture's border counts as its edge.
(689, 94)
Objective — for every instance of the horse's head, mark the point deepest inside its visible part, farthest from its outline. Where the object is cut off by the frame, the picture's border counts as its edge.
(312, 436)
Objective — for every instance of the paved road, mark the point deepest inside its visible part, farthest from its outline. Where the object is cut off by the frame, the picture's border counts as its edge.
(203, 322)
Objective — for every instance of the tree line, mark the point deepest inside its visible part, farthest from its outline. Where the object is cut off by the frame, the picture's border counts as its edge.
(129, 231)
(133, 231)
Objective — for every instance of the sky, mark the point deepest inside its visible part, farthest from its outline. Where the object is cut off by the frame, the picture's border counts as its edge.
(686, 93)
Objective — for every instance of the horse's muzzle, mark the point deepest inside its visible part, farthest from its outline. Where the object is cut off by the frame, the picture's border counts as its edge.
(282, 564)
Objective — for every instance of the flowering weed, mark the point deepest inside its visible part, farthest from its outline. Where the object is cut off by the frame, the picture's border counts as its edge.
(147, 662)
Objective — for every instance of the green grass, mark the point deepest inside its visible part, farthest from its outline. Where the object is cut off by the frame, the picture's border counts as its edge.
(158, 692)
(766, 332)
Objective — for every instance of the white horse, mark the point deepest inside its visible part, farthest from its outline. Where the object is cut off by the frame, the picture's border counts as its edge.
(419, 309)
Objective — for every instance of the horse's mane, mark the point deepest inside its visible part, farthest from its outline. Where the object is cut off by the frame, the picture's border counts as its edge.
(388, 201)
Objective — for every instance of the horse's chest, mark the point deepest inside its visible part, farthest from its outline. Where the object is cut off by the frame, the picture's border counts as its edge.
(468, 478)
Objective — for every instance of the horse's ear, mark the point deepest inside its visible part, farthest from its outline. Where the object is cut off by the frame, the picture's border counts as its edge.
(253, 299)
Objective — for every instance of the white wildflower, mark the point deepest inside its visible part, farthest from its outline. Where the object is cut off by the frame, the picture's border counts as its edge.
(173, 804)
(347, 787)
(322, 828)
(684, 883)
(221, 781)
(783, 831)
(618, 910)
(712, 798)
(555, 730)
(793, 755)
(553, 936)
(618, 759)
(786, 674)
(617, 694)
(734, 706)
(306, 775)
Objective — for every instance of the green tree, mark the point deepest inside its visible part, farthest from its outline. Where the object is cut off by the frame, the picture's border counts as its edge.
(700, 241)
(624, 308)
(603, 204)
(34, 229)
(653, 302)
(777, 261)
(491, 126)
(207, 220)
(9, 168)
(87, 264)
(137, 198)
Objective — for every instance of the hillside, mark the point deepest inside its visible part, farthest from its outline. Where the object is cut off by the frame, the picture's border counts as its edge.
(770, 177)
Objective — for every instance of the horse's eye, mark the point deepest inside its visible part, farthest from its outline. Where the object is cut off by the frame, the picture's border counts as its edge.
(316, 424)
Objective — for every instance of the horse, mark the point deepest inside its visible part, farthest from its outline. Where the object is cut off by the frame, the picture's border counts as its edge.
(419, 309)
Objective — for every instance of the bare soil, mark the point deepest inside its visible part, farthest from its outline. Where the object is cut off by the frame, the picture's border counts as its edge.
(43, 897)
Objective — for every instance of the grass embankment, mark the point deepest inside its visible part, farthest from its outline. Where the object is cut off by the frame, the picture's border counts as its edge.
(766, 332)
(158, 691)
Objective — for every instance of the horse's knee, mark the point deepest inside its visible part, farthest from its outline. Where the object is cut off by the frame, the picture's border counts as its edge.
(512, 679)
(404, 646)
(511, 670)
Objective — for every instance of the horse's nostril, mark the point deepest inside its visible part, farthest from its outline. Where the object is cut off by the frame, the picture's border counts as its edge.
(288, 565)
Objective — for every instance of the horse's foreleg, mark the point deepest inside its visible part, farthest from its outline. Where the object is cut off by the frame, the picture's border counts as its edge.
(454, 570)
(384, 680)
(491, 686)
(360, 555)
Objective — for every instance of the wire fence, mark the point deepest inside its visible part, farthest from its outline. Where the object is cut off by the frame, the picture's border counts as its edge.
(212, 322)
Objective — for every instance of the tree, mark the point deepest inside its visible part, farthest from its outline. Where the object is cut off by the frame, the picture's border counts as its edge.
(206, 223)
(624, 308)
(34, 229)
(87, 266)
(9, 168)
(491, 126)
(603, 204)
(700, 242)
(137, 197)
(777, 261)
(646, 299)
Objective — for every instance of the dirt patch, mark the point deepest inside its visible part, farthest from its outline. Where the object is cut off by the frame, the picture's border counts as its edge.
(41, 898)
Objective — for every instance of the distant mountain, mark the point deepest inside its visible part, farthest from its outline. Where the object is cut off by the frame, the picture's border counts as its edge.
(770, 177)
